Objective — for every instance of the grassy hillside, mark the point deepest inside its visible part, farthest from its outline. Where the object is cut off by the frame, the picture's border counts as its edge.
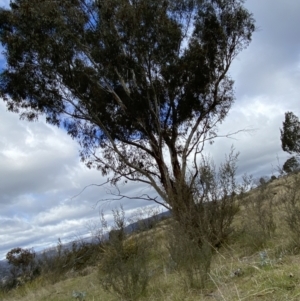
(260, 260)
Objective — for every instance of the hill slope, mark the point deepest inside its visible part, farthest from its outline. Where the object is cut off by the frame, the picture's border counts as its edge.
(259, 261)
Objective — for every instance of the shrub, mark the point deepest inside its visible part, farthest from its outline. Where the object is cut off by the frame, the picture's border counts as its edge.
(273, 178)
(215, 197)
(124, 265)
(291, 165)
(22, 259)
(8, 283)
(208, 225)
(291, 201)
(57, 264)
(24, 267)
(258, 219)
(188, 257)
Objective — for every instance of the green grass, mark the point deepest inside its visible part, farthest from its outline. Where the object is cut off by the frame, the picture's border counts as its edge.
(237, 271)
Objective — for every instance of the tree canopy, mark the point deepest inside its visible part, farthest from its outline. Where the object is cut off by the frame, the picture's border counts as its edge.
(140, 84)
(290, 134)
(20, 258)
(291, 165)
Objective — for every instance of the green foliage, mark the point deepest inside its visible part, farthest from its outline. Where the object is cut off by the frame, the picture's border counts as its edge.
(193, 271)
(128, 79)
(20, 258)
(263, 181)
(24, 268)
(258, 220)
(291, 201)
(124, 270)
(290, 133)
(81, 255)
(191, 260)
(124, 267)
(198, 232)
(67, 261)
(291, 165)
(215, 200)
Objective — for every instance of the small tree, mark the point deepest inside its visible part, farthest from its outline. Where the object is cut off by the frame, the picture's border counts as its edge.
(263, 180)
(290, 134)
(291, 165)
(23, 260)
(19, 257)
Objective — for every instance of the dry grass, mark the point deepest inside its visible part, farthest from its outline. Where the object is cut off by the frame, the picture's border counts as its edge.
(61, 291)
(240, 270)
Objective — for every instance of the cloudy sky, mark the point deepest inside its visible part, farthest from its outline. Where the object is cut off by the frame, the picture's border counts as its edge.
(40, 170)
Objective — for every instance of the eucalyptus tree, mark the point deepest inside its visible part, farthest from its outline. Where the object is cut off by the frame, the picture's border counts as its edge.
(140, 84)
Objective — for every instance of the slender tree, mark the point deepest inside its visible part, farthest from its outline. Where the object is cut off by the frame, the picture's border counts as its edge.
(140, 84)
(290, 134)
